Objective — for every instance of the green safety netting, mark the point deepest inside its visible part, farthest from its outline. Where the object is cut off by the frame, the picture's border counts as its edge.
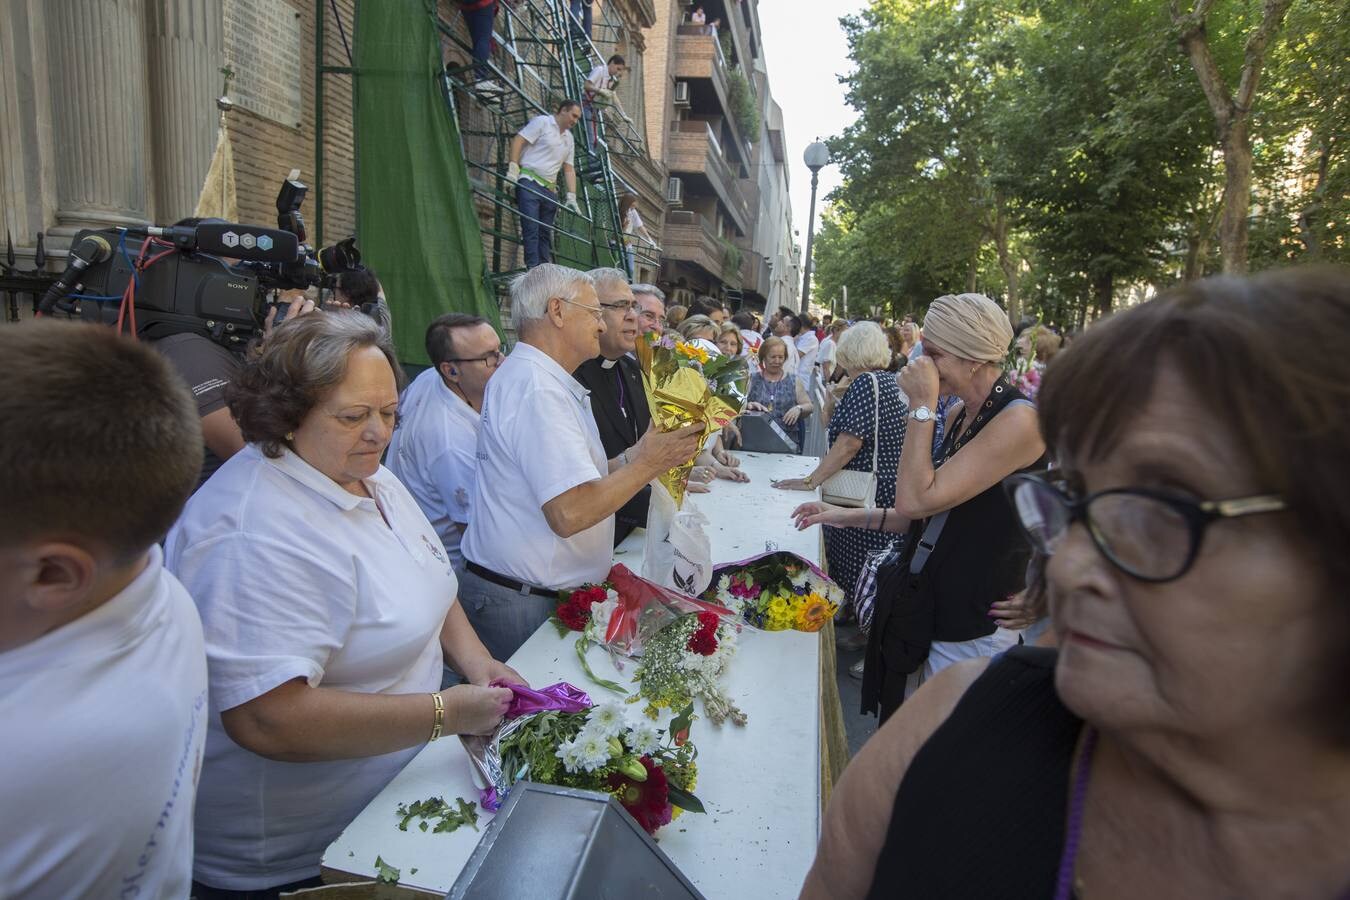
(416, 224)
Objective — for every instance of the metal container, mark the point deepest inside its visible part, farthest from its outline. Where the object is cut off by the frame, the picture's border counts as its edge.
(554, 843)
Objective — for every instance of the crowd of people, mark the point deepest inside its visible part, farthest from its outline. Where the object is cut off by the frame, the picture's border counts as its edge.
(1116, 594)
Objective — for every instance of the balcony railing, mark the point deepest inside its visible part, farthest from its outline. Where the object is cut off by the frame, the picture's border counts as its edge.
(689, 237)
(694, 148)
(699, 56)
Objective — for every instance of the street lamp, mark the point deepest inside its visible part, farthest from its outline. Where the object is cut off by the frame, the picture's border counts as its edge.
(817, 156)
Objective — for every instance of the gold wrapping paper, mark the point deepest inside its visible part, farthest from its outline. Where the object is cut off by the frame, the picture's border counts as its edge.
(677, 399)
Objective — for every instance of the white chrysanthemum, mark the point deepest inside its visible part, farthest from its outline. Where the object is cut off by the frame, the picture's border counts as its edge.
(601, 613)
(643, 738)
(801, 579)
(592, 750)
(569, 753)
(607, 720)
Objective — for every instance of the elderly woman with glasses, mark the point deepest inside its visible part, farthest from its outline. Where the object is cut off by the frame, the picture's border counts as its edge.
(1190, 737)
(328, 605)
(963, 550)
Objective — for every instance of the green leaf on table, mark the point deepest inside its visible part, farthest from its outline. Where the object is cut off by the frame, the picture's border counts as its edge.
(684, 800)
(385, 872)
(582, 645)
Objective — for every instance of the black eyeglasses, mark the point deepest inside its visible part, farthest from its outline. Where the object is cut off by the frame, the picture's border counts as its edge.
(622, 306)
(492, 360)
(1148, 534)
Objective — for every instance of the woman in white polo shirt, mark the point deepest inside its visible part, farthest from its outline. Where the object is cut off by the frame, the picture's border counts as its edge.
(328, 606)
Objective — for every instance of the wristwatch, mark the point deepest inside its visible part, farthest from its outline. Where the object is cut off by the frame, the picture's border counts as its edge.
(921, 414)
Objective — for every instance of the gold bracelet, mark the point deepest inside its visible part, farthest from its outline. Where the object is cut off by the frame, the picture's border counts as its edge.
(440, 715)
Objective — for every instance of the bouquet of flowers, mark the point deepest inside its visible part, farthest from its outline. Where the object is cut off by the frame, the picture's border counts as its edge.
(556, 736)
(684, 383)
(684, 644)
(1027, 381)
(776, 591)
(687, 659)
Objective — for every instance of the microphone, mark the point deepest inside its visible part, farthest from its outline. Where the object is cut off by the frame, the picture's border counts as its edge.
(91, 250)
(250, 242)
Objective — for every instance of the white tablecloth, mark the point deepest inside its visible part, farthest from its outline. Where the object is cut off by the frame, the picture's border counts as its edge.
(760, 784)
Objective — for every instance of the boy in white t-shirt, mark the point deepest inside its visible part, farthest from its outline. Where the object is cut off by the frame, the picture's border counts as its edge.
(102, 665)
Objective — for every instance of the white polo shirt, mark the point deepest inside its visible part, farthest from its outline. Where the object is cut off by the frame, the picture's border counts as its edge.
(434, 454)
(546, 148)
(537, 440)
(599, 78)
(101, 730)
(297, 578)
(807, 346)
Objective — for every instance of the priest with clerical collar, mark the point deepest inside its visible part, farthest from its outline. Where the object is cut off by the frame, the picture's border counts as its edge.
(615, 382)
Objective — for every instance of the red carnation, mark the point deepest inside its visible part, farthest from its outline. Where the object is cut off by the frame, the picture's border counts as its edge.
(702, 643)
(575, 615)
(647, 801)
(591, 595)
(707, 621)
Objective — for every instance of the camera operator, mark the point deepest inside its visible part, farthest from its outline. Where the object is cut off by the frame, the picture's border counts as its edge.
(207, 367)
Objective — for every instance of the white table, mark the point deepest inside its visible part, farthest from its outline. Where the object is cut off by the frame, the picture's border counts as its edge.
(760, 784)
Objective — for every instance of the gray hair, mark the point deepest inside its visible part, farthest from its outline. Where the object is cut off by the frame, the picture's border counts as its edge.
(863, 347)
(650, 290)
(604, 278)
(532, 289)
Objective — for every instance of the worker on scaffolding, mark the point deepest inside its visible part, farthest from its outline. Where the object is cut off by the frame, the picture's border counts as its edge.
(538, 151)
(599, 93)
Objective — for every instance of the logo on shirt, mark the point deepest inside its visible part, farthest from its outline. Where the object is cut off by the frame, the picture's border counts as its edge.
(434, 548)
(461, 496)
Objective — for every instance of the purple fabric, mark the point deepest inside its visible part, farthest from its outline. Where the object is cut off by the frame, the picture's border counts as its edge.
(561, 696)
(488, 797)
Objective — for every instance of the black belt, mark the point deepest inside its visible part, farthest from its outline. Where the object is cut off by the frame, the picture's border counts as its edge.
(510, 583)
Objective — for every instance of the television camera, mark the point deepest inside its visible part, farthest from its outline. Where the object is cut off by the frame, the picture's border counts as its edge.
(207, 276)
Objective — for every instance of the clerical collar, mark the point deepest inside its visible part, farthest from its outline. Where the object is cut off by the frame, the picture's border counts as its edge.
(607, 363)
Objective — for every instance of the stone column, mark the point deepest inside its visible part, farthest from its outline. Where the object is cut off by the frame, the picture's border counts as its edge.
(186, 52)
(100, 112)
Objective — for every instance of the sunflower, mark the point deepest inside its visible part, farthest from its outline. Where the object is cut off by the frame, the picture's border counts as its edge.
(813, 612)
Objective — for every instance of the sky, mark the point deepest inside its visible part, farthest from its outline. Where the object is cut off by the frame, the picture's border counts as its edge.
(804, 59)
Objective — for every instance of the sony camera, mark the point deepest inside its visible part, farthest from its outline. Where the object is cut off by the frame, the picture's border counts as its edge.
(208, 276)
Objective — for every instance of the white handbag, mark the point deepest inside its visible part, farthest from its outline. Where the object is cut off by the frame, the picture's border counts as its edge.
(849, 487)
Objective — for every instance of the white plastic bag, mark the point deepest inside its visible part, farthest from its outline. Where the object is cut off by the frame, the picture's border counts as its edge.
(658, 556)
(678, 553)
(691, 571)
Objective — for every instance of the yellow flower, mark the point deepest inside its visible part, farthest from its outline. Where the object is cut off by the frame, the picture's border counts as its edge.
(813, 612)
(691, 351)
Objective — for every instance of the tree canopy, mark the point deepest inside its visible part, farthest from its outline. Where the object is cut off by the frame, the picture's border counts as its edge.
(1063, 155)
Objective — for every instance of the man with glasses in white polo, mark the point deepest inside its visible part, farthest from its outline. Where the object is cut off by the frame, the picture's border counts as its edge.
(542, 518)
(434, 450)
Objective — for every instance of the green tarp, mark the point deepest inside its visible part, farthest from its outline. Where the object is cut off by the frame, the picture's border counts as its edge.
(416, 225)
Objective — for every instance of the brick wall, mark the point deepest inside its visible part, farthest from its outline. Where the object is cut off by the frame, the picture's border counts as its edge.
(265, 151)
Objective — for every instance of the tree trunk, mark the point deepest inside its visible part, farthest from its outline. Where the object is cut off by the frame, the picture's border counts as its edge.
(973, 273)
(1197, 247)
(1237, 196)
(1008, 264)
(1232, 113)
(1309, 219)
(1101, 292)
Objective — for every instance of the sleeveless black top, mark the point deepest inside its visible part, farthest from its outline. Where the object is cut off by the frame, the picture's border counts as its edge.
(981, 557)
(982, 808)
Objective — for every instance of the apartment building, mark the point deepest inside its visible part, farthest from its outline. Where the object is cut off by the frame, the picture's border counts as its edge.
(712, 121)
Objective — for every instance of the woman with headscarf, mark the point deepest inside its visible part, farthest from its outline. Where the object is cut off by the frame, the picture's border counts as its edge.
(964, 549)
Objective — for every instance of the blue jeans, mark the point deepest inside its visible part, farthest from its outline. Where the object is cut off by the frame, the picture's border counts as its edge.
(504, 619)
(581, 10)
(538, 208)
(479, 22)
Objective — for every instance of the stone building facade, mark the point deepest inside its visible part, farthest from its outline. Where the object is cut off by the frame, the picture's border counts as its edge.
(108, 115)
